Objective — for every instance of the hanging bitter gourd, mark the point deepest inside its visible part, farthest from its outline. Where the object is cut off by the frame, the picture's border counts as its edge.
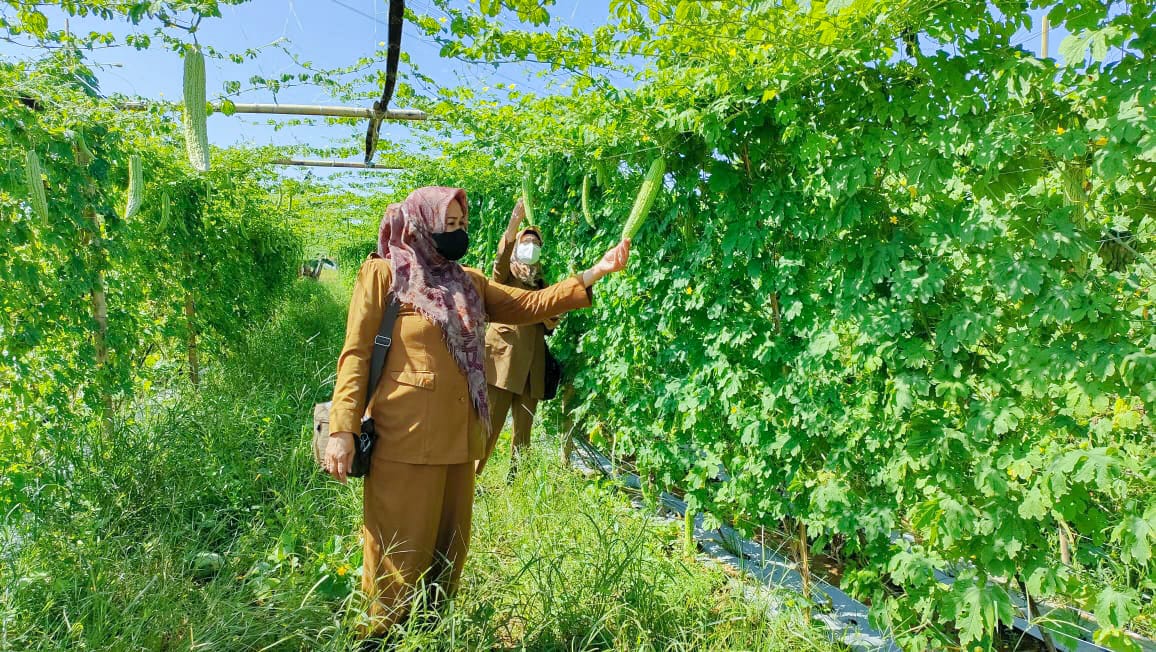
(36, 196)
(81, 151)
(600, 174)
(548, 185)
(645, 198)
(196, 118)
(586, 202)
(164, 211)
(528, 198)
(135, 186)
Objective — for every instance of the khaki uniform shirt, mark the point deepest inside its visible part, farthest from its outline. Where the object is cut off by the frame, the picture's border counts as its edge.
(421, 408)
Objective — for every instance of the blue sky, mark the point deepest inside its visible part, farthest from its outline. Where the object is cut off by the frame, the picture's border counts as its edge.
(330, 34)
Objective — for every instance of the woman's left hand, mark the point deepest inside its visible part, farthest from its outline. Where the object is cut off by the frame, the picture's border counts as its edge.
(614, 260)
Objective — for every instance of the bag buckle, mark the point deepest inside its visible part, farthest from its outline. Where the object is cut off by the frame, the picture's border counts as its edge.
(382, 340)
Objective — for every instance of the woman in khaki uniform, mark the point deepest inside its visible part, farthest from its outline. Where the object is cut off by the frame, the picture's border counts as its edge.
(516, 355)
(431, 408)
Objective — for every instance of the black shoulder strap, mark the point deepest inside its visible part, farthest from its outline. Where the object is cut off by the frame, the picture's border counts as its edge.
(381, 344)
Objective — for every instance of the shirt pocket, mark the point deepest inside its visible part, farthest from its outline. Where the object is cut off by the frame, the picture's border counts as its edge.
(405, 401)
(422, 379)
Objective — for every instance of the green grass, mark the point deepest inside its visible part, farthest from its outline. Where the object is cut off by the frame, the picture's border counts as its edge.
(119, 551)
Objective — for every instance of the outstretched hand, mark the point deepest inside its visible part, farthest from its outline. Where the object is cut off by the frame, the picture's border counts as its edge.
(614, 260)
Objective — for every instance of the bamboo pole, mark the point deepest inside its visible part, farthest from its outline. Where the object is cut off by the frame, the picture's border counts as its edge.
(317, 163)
(320, 110)
(1044, 37)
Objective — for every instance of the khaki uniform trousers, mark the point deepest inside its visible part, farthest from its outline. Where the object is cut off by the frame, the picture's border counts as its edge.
(502, 402)
(417, 534)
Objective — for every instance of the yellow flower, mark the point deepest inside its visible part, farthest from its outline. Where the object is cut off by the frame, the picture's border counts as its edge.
(1060, 131)
(894, 220)
(442, 20)
(734, 409)
(913, 191)
(690, 290)
(1102, 140)
(342, 570)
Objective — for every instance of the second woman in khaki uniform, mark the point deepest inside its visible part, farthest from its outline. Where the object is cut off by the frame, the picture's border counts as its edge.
(431, 407)
(516, 354)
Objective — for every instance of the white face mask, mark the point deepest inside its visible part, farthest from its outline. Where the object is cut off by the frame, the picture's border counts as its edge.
(528, 253)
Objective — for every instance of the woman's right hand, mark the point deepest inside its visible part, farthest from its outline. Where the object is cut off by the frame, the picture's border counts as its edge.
(339, 455)
(516, 217)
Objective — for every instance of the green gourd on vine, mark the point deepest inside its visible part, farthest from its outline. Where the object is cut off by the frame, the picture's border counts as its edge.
(135, 186)
(196, 117)
(645, 198)
(586, 202)
(36, 195)
(528, 198)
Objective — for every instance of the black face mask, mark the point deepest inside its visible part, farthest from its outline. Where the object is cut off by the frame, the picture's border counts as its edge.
(452, 244)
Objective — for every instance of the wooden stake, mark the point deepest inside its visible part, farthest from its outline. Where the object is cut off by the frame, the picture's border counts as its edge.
(688, 546)
(567, 424)
(1065, 543)
(99, 298)
(805, 568)
(191, 342)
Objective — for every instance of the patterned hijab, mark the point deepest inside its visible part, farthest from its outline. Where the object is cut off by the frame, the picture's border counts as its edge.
(531, 275)
(439, 289)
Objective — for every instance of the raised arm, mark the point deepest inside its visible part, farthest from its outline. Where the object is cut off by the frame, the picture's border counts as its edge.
(506, 244)
(507, 305)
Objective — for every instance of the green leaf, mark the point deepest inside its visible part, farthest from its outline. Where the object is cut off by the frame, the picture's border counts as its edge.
(980, 609)
(1116, 608)
(1074, 48)
(1035, 505)
(1117, 639)
(35, 23)
(1136, 536)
